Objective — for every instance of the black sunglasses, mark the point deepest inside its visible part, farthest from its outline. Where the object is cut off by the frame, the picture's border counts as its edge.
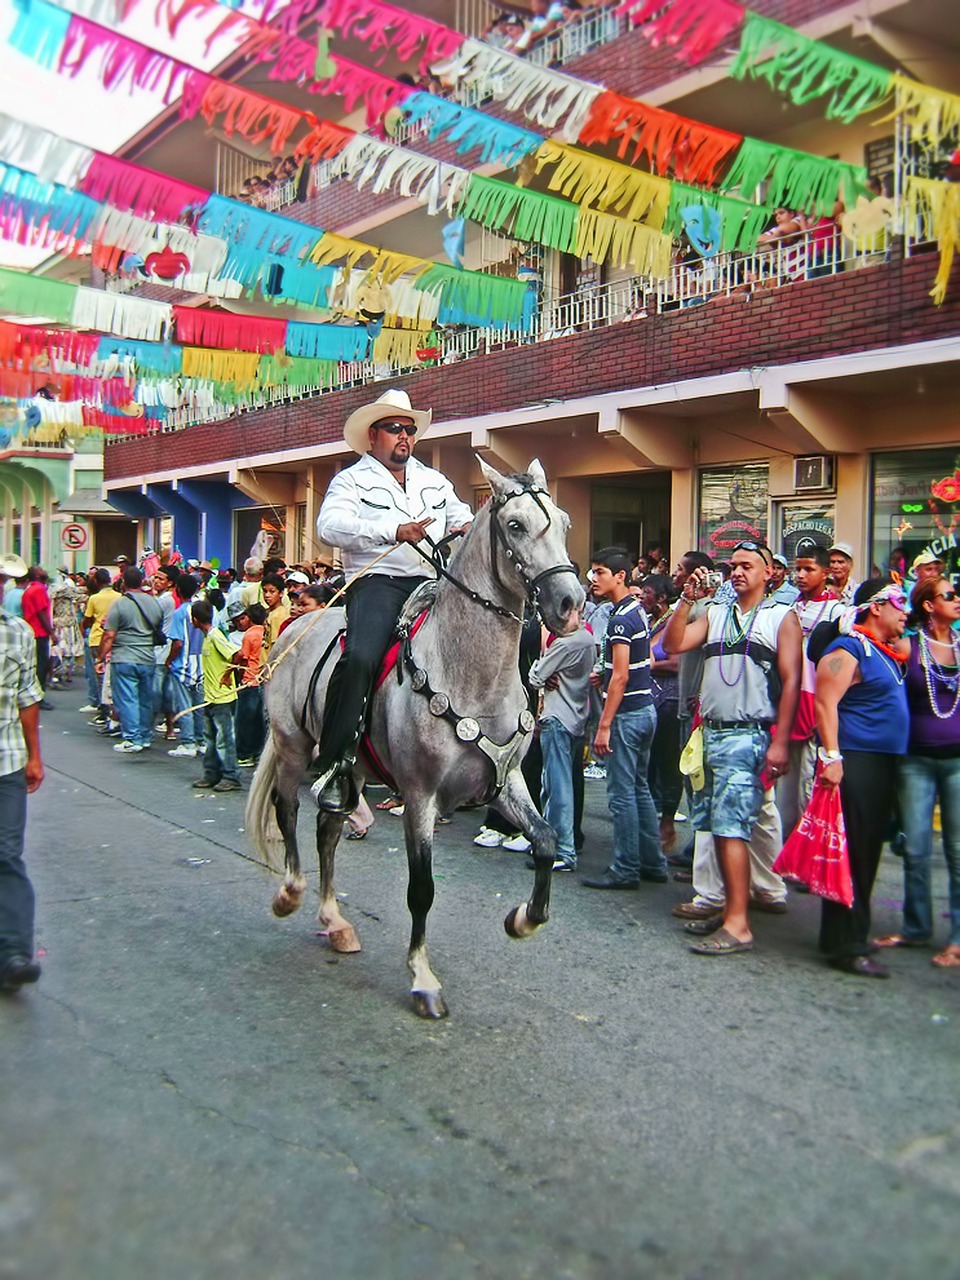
(760, 548)
(394, 428)
(946, 595)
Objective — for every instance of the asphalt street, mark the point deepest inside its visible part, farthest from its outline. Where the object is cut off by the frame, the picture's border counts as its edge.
(198, 1090)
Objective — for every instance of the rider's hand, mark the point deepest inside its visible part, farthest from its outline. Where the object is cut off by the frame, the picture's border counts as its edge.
(414, 531)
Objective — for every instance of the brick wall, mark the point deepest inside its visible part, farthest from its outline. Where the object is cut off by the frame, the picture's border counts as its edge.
(877, 307)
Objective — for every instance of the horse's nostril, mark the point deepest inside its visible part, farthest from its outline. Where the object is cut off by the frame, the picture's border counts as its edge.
(566, 606)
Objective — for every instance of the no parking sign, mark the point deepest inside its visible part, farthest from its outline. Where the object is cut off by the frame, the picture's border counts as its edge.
(74, 537)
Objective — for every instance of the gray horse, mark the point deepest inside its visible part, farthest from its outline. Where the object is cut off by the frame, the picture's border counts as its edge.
(451, 725)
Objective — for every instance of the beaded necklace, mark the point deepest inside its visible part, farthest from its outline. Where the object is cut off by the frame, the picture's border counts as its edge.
(738, 631)
(934, 674)
(800, 605)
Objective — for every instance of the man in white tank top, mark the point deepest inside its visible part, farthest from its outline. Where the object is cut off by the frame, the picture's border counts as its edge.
(748, 700)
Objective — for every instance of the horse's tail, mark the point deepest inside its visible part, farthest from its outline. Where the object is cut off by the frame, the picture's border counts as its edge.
(260, 819)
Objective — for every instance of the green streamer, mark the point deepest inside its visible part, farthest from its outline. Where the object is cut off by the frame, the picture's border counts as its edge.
(742, 223)
(22, 294)
(525, 215)
(794, 179)
(296, 371)
(469, 297)
(805, 69)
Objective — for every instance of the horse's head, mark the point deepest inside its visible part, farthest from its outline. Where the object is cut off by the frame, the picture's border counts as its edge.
(528, 544)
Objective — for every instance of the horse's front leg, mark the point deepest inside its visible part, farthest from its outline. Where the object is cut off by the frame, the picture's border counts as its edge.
(340, 932)
(288, 897)
(516, 806)
(418, 820)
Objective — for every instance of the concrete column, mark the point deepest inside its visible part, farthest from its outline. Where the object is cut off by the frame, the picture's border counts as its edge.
(853, 508)
(683, 507)
(573, 496)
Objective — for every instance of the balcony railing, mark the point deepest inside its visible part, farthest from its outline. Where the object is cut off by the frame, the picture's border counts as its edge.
(689, 284)
(577, 37)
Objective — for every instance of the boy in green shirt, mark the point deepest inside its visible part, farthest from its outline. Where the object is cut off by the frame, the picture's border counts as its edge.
(220, 699)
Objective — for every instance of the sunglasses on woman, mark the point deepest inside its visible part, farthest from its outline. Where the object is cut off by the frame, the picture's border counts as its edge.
(947, 595)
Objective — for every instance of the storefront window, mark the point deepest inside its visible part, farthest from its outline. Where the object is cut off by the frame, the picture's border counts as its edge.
(260, 532)
(733, 504)
(809, 520)
(916, 507)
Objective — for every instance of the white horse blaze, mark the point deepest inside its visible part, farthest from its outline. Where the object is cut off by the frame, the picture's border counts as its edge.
(424, 979)
(522, 926)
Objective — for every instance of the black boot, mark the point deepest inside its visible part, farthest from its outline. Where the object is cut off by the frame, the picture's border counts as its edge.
(335, 791)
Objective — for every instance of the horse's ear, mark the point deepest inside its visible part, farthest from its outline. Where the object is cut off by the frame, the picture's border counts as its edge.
(494, 479)
(536, 470)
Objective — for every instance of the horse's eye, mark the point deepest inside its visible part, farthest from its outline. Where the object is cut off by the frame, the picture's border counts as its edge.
(515, 526)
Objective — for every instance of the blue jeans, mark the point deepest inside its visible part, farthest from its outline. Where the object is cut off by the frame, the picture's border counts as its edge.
(133, 686)
(636, 826)
(559, 748)
(251, 726)
(16, 891)
(220, 754)
(182, 696)
(921, 780)
(90, 672)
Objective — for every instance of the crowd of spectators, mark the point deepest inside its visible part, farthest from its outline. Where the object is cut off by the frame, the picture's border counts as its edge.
(521, 34)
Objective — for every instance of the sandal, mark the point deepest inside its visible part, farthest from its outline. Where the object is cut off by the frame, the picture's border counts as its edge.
(721, 944)
(703, 928)
(898, 940)
(391, 802)
(948, 958)
(357, 835)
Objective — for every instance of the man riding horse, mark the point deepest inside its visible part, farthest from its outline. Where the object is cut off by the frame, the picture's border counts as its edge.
(386, 499)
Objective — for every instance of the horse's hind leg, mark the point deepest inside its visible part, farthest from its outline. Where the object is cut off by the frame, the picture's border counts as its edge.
(425, 991)
(286, 805)
(340, 932)
(516, 806)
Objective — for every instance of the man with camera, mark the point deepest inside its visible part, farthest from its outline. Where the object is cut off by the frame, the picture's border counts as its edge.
(748, 700)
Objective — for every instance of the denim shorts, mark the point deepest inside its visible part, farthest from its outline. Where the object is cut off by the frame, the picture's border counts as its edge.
(733, 795)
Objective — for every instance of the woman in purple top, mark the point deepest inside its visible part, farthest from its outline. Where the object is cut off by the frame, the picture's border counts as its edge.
(931, 769)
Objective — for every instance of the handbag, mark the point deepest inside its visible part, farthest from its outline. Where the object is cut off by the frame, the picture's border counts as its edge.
(691, 759)
(816, 852)
(160, 637)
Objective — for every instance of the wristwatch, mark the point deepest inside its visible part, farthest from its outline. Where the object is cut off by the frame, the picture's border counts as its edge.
(828, 757)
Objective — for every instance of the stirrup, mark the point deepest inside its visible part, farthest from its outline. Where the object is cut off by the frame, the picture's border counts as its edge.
(335, 791)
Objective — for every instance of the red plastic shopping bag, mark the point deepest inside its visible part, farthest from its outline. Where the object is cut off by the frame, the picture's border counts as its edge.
(816, 852)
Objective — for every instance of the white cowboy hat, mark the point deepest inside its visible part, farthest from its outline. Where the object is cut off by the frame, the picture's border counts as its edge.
(12, 566)
(391, 404)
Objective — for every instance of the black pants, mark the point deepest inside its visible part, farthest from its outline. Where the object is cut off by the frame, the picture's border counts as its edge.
(664, 776)
(866, 793)
(374, 604)
(43, 661)
(251, 727)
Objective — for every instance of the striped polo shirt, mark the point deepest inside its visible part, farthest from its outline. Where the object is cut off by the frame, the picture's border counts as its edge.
(628, 624)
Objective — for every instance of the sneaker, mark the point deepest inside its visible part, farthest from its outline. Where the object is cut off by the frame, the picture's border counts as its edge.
(227, 784)
(247, 762)
(88, 709)
(559, 864)
(184, 749)
(205, 784)
(594, 772)
(128, 748)
(517, 844)
(397, 812)
(488, 839)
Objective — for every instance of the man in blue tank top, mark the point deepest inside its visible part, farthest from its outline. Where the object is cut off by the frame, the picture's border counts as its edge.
(748, 699)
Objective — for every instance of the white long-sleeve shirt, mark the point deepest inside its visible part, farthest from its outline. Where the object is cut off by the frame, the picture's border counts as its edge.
(364, 506)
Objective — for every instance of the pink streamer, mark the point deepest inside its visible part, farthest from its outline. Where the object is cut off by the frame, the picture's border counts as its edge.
(698, 27)
(120, 59)
(353, 83)
(133, 189)
(381, 26)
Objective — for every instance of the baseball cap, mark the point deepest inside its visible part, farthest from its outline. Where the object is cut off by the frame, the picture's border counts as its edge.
(298, 577)
(236, 610)
(782, 560)
(926, 557)
(122, 560)
(844, 548)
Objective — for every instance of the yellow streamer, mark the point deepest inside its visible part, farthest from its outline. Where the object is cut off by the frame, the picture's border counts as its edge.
(588, 179)
(601, 236)
(937, 205)
(236, 367)
(398, 348)
(331, 248)
(931, 113)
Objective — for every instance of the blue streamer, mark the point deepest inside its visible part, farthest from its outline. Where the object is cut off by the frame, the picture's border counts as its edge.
(298, 282)
(159, 357)
(40, 31)
(499, 142)
(327, 341)
(67, 211)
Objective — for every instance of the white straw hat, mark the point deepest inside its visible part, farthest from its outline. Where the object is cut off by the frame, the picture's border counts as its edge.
(391, 404)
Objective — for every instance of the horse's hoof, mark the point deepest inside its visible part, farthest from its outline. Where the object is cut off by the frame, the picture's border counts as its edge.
(518, 924)
(429, 1004)
(344, 940)
(286, 901)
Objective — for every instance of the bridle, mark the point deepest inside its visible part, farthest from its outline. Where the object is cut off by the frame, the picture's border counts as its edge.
(531, 585)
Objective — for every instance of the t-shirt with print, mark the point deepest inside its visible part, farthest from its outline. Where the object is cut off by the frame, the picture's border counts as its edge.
(251, 647)
(216, 658)
(629, 624)
(98, 606)
(133, 618)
